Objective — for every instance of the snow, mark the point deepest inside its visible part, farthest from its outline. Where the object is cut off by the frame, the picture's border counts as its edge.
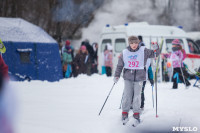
(72, 106)
(24, 50)
(19, 30)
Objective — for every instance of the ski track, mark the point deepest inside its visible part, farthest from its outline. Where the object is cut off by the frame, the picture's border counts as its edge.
(72, 106)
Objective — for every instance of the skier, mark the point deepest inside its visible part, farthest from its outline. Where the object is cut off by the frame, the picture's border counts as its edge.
(133, 59)
(177, 57)
(149, 74)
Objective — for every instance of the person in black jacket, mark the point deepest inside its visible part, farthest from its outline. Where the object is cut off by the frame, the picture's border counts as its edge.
(81, 61)
(95, 63)
(91, 54)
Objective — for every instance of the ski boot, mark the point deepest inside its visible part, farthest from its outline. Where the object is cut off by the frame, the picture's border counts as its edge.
(124, 117)
(137, 119)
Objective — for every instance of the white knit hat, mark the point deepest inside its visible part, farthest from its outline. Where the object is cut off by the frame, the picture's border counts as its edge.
(109, 46)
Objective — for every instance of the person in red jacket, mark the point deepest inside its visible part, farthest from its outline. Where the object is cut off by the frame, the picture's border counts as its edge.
(3, 68)
(7, 101)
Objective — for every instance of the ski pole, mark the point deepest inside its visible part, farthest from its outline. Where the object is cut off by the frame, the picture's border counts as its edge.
(182, 74)
(106, 99)
(155, 81)
(152, 97)
(121, 102)
(156, 70)
(156, 96)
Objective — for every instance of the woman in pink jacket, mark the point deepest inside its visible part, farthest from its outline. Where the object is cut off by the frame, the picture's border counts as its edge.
(177, 56)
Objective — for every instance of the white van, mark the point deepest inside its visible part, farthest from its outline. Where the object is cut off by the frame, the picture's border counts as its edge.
(117, 36)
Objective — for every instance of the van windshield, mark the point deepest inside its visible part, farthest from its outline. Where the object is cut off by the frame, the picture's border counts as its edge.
(120, 44)
(103, 44)
(169, 45)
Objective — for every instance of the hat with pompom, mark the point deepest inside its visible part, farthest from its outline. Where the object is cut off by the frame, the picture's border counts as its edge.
(176, 42)
(67, 43)
(83, 47)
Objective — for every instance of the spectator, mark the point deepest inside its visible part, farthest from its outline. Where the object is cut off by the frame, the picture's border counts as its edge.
(82, 61)
(67, 60)
(95, 63)
(7, 106)
(3, 67)
(90, 53)
(108, 58)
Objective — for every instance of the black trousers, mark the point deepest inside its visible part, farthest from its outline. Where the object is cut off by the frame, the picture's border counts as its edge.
(178, 70)
(108, 71)
(142, 95)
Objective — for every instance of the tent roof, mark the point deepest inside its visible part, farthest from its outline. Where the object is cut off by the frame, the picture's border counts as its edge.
(19, 30)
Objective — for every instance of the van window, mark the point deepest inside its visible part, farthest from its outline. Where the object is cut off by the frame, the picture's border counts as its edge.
(120, 44)
(198, 42)
(169, 44)
(104, 42)
(193, 48)
(24, 57)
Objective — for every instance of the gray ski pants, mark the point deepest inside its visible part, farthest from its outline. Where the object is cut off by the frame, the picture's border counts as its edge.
(132, 91)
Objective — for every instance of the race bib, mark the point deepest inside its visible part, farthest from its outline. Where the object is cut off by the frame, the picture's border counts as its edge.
(134, 60)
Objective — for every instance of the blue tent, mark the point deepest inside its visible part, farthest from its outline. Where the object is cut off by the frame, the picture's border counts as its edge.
(30, 52)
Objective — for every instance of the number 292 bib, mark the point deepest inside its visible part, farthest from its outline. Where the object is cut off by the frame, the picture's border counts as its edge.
(134, 60)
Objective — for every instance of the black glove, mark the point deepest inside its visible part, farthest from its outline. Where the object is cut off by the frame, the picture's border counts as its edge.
(152, 82)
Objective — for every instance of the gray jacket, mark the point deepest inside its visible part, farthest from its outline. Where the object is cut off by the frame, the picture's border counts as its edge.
(137, 74)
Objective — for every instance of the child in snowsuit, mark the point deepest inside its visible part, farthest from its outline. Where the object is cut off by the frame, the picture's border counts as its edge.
(149, 75)
(177, 57)
(133, 59)
(108, 60)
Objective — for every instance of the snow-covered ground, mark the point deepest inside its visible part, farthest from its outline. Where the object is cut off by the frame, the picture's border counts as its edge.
(72, 106)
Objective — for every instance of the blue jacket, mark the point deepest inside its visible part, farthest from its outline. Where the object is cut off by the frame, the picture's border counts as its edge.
(150, 73)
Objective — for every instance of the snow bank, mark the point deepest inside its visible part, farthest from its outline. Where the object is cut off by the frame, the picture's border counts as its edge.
(72, 106)
(19, 30)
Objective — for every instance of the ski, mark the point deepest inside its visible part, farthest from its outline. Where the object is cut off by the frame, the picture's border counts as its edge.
(131, 121)
(156, 72)
(125, 121)
(136, 122)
